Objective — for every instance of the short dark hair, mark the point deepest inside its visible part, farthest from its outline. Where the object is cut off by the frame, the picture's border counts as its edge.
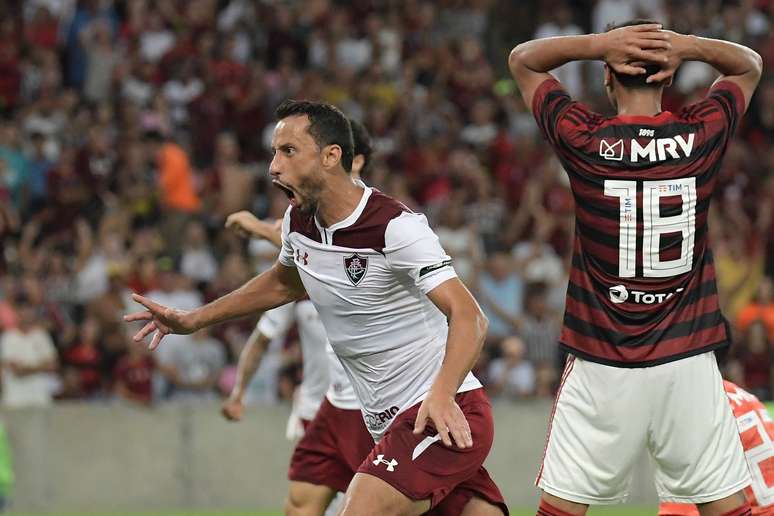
(363, 146)
(636, 81)
(535, 289)
(153, 136)
(327, 125)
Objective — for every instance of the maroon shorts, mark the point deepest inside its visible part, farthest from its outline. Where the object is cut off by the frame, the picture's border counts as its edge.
(334, 445)
(448, 477)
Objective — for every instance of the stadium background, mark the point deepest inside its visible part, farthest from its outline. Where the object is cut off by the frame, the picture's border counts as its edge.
(131, 129)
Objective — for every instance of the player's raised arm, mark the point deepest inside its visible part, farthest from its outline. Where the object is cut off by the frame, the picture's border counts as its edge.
(622, 49)
(738, 64)
(277, 286)
(249, 225)
(467, 331)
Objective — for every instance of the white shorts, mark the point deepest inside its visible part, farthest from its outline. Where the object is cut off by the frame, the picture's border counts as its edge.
(604, 417)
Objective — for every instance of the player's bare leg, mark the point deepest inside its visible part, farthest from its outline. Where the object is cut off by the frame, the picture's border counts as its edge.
(551, 505)
(480, 507)
(734, 505)
(305, 499)
(371, 495)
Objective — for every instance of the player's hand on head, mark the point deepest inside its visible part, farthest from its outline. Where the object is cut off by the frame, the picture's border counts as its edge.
(626, 49)
(160, 320)
(673, 59)
(448, 419)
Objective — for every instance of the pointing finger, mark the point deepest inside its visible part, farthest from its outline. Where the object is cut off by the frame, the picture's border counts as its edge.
(138, 316)
(152, 306)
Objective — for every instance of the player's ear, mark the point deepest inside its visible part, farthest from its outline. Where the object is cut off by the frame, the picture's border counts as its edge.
(331, 155)
(608, 77)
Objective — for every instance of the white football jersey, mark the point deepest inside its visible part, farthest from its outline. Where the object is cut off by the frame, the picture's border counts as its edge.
(340, 393)
(275, 323)
(368, 276)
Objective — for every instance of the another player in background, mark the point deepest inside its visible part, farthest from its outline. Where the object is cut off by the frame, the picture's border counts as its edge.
(336, 441)
(642, 316)
(275, 324)
(757, 432)
(403, 325)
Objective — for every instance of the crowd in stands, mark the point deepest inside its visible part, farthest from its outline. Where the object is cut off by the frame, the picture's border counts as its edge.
(130, 129)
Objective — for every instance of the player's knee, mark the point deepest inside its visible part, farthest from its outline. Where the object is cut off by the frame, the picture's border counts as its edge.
(358, 509)
(302, 501)
(480, 507)
(361, 504)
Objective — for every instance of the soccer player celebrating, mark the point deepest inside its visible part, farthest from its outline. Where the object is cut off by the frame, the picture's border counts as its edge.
(336, 441)
(406, 330)
(642, 315)
(756, 429)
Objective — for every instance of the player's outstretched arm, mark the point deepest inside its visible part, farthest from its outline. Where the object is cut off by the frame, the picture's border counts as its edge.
(248, 224)
(467, 330)
(249, 360)
(736, 63)
(275, 287)
(531, 62)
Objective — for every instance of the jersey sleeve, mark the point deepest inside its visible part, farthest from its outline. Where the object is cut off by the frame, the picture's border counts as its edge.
(277, 321)
(411, 247)
(286, 251)
(720, 111)
(559, 118)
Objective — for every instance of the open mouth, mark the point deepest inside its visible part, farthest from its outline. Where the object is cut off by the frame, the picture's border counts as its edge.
(288, 191)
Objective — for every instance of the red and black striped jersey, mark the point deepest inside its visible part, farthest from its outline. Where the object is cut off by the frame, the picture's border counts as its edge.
(642, 285)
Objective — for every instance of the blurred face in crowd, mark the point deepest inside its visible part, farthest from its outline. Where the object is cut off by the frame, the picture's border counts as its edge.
(196, 237)
(227, 148)
(89, 331)
(27, 317)
(756, 338)
(298, 164)
(765, 291)
(536, 305)
(499, 265)
(513, 349)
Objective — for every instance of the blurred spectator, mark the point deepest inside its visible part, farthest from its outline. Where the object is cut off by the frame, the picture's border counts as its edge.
(194, 369)
(133, 376)
(176, 182)
(197, 261)
(500, 291)
(173, 289)
(38, 168)
(82, 363)
(231, 183)
(540, 327)
(755, 357)
(29, 360)
(101, 59)
(129, 130)
(761, 308)
(511, 375)
(559, 22)
(460, 240)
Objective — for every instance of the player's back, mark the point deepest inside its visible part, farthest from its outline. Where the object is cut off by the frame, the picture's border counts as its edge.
(642, 286)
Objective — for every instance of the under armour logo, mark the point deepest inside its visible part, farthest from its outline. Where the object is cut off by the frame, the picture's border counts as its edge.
(390, 464)
(302, 258)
